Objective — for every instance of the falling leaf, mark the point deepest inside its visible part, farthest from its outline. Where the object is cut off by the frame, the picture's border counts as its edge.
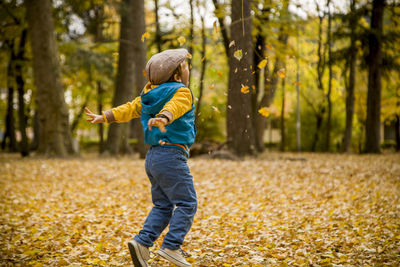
(181, 40)
(189, 56)
(211, 87)
(231, 43)
(236, 69)
(244, 89)
(144, 73)
(219, 73)
(238, 54)
(262, 64)
(281, 73)
(145, 36)
(269, 47)
(215, 27)
(229, 106)
(215, 109)
(297, 83)
(203, 59)
(264, 111)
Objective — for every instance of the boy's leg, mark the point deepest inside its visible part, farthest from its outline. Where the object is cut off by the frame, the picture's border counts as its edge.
(158, 218)
(177, 183)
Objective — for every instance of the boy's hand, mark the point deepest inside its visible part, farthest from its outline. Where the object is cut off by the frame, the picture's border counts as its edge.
(94, 118)
(158, 122)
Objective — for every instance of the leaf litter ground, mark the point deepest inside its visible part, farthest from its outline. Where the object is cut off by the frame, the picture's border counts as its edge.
(327, 210)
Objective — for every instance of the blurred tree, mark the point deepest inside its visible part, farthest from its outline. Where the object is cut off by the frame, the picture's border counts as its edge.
(372, 142)
(55, 136)
(129, 73)
(240, 133)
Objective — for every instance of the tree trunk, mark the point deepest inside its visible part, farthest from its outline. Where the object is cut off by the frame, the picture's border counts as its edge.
(140, 64)
(24, 146)
(352, 76)
(118, 134)
(10, 122)
(203, 69)
(372, 144)
(55, 137)
(328, 96)
(191, 34)
(158, 31)
(271, 87)
(397, 125)
(239, 122)
(100, 92)
(283, 138)
(224, 32)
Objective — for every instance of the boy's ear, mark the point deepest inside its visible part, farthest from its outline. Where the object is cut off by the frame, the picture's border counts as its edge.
(177, 78)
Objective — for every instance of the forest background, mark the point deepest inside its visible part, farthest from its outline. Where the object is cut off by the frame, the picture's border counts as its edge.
(287, 75)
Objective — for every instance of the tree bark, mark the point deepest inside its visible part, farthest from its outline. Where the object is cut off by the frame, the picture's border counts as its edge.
(350, 90)
(158, 31)
(140, 64)
(224, 32)
(203, 68)
(328, 96)
(191, 34)
(373, 122)
(55, 136)
(100, 93)
(117, 140)
(283, 135)
(10, 122)
(19, 81)
(239, 122)
(271, 87)
(397, 125)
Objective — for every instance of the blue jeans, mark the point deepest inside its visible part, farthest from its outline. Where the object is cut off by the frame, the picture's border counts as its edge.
(173, 195)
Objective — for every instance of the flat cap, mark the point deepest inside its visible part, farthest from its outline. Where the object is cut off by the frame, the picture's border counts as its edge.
(161, 66)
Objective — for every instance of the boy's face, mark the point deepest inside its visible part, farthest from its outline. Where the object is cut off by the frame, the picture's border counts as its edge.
(185, 73)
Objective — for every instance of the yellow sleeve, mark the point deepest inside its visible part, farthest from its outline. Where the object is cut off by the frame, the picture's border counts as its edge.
(179, 104)
(125, 112)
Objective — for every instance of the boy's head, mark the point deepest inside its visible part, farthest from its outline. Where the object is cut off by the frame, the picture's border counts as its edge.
(168, 66)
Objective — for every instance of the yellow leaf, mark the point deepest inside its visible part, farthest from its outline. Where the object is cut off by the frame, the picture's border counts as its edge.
(219, 73)
(215, 109)
(211, 87)
(238, 54)
(264, 111)
(189, 56)
(227, 265)
(269, 47)
(145, 36)
(262, 64)
(203, 59)
(181, 40)
(281, 73)
(231, 44)
(215, 27)
(244, 89)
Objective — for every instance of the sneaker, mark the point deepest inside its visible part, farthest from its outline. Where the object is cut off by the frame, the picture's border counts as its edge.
(175, 256)
(139, 253)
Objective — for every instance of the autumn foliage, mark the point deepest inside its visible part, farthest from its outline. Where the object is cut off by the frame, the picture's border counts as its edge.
(277, 210)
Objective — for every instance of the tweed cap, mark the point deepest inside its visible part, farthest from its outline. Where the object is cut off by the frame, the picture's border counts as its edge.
(161, 66)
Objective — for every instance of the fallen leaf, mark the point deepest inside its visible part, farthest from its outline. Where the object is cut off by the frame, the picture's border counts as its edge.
(238, 54)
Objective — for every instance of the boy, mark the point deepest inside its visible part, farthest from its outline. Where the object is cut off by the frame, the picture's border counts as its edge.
(166, 103)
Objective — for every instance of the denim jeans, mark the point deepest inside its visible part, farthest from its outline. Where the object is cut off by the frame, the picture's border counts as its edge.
(173, 195)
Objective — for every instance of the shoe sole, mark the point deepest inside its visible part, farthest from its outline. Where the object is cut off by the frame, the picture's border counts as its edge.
(135, 253)
(172, 259)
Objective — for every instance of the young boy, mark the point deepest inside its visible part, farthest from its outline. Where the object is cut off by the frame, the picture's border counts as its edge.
(166, 103)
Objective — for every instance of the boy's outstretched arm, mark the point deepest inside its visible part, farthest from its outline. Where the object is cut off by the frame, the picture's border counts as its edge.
(94, 118)
(124, 113)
